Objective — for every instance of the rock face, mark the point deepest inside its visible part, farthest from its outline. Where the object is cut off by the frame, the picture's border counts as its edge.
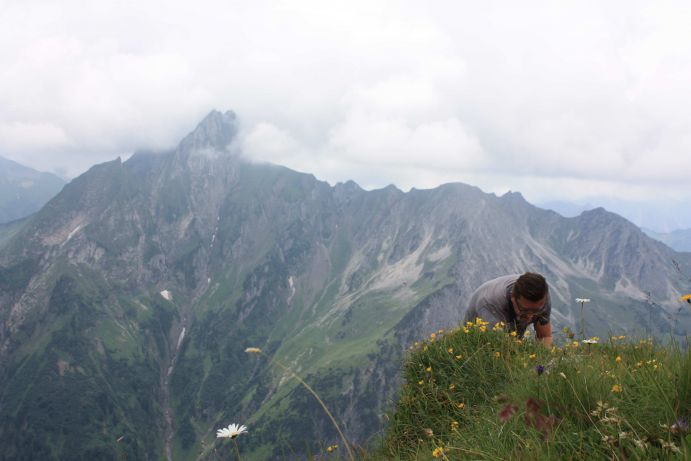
(24, 191)
(334, 282)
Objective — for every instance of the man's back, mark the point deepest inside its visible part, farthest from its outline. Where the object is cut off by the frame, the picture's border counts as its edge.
(492, 300)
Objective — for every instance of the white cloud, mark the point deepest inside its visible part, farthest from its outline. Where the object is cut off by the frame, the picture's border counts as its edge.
(26, 137)
(555, 99)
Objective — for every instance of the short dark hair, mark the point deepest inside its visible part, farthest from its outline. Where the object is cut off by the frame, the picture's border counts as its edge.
(530, 286)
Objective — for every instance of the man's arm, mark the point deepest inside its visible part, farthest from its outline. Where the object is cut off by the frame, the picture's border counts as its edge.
(544, 333)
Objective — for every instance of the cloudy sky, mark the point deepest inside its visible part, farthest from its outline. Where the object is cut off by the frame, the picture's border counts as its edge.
(577, 101)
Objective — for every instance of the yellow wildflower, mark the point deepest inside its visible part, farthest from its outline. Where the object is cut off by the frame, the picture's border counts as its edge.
(438, 452)
(459, 357)
(461, 405)
(428, 369)
(465, 330)
(483, 328)
(421, 382)
(450, 350)
(441, 331)
(331, 448)
(618, 359)
(452, 387)
(574, 344)
(616, 388)
(514, 334)
(497, 354)
(432, 336)
(454, 425)
(532, 356)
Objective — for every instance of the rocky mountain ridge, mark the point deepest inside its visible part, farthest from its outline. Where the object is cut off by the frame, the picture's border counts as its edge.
(143, 281)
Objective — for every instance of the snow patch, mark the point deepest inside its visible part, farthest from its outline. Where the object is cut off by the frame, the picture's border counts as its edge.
(291, 284)
(181, 337)
(71, 234)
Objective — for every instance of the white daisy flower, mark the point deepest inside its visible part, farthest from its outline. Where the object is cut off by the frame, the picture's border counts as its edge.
(231, 431)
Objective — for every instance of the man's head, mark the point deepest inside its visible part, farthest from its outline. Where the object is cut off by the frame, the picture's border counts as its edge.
(529, 295)
(530, 286)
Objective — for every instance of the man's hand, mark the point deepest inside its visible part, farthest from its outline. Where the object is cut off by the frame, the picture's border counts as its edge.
(544, 333)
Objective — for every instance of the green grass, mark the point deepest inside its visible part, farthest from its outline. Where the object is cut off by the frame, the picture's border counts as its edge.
(478, 395)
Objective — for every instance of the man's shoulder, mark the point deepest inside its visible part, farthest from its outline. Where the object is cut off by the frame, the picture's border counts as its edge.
(493, 294)
(503, 281)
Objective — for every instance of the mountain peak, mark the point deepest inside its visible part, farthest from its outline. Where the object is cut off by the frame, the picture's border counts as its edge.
(214, 133)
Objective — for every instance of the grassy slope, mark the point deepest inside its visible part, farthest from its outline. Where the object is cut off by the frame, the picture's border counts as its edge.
(68, 394)
(618, 399)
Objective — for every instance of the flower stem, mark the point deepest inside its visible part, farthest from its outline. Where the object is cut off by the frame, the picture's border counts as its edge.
(582, 322)
(323, 405)
(237, 450)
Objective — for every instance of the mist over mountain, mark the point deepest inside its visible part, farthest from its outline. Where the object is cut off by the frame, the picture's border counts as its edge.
(24, 190)
(128, 300)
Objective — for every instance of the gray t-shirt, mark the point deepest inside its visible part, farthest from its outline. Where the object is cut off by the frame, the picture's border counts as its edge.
(492, 303)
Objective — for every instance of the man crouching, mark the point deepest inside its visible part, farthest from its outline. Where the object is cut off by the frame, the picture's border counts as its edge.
(518, 301)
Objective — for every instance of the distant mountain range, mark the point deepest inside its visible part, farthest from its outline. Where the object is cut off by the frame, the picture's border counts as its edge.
(658, 215)
(23, 190)
(128, 300)
(679, 240)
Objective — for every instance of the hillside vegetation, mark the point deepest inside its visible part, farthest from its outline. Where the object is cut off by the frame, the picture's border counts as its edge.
(480, 393)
